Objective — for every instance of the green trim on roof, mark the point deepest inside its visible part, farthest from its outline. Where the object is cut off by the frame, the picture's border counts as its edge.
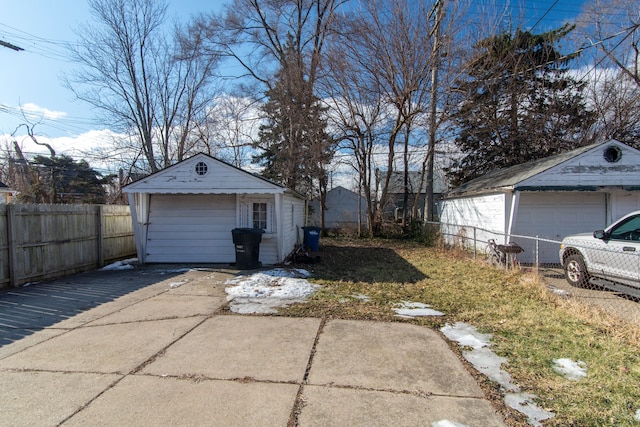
(558, 188)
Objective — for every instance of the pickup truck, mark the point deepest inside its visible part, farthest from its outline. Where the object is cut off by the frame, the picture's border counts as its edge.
(612, 254)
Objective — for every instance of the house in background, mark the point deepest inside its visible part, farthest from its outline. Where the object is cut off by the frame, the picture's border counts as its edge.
(395, 205)
(342, 208)
(6, 194)
(186, 212)
(578, 191)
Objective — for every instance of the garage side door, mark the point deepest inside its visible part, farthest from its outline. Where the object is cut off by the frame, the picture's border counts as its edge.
(554, 216)
(191, 228)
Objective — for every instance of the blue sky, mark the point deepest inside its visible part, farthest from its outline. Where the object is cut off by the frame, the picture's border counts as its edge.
(31, 78)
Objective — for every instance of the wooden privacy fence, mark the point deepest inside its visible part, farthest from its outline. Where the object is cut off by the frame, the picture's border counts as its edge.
(39, 242)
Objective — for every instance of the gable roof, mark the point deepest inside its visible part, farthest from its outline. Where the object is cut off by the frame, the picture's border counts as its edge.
(515, 177)
(396, 183)
(215, 177)
(3, 185)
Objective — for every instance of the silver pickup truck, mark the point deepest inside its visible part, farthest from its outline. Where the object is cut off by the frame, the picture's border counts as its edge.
(612, 254)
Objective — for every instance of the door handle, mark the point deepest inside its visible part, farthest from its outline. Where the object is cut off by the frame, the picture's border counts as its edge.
(628, 249)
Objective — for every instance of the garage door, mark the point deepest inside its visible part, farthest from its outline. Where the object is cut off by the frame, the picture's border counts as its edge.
(553, 216)
(191, 228)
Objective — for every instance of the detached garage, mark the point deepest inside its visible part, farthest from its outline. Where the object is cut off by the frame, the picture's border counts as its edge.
(579, 191)
(185, 213)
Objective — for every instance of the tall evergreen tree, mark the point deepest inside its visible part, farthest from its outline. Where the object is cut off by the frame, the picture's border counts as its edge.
(519, 104)
(295, 147)
(60, 179)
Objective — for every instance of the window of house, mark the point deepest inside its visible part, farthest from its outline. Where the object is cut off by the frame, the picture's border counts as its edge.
(260, 216)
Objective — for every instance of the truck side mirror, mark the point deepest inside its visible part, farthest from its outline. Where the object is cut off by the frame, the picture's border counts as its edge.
(600, 234)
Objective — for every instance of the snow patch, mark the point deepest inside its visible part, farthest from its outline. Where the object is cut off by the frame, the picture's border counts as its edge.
(570, 369)
(265, 291)
(120, 265)
(637, 416)
(173, 285)
(490, 364)
(559, 292)
(523, 403)
(447, 423)
(410, 310)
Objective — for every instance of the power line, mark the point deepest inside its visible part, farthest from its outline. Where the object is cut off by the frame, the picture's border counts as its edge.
(10, 46)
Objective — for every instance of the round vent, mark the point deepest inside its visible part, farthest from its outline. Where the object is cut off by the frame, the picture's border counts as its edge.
(612, 154)
(201, 168)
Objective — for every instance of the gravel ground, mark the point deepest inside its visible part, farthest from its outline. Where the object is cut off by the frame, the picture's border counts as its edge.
(625, 307)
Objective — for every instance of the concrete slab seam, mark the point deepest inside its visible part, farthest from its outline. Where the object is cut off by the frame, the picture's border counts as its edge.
(298, 404)
(86, 324)
(86, 404)
(136, 369)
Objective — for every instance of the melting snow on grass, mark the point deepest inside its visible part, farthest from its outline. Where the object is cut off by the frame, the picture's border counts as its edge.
(490, 364)
(570, 369)
(265, 291)
(408, 310)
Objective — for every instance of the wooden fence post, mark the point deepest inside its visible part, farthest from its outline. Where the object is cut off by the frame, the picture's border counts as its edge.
(11, 240)
(100, 232)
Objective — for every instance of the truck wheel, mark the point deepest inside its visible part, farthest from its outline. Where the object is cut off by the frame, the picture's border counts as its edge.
(575, 271)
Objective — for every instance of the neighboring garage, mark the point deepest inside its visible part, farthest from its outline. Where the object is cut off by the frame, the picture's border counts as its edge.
(578, 191)
(186, 212)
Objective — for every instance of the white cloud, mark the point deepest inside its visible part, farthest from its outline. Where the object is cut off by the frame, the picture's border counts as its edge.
(33, 110)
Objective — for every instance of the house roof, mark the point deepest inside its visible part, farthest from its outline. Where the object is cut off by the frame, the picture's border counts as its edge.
(510, 178)
(3, 185)
(396, 183)
(217, 177)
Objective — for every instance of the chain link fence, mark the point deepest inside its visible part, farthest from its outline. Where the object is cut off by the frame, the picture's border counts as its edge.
(601, 273)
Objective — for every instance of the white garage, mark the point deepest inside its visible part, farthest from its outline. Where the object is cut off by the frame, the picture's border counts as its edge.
(578, 191)
(185, 213)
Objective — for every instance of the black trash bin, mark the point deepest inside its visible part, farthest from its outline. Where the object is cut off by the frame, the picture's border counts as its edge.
(247, 243)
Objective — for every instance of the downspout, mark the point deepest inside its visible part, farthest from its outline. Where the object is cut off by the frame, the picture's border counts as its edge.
(515, 201)
(279, 226)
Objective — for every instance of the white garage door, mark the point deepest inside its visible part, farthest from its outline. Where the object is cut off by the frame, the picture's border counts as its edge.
(191, 228)
(554, 216)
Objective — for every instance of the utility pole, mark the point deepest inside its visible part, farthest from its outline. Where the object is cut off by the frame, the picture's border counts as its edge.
(428, 205)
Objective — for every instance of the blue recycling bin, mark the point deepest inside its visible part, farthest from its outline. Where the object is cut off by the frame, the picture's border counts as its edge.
(312, 238)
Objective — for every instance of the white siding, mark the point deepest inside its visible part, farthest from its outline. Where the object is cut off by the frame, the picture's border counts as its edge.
(191, 228)
(486, 212)
(553, 215)
(220, 178)
(293, 221)
(623, 202)
(591, 169)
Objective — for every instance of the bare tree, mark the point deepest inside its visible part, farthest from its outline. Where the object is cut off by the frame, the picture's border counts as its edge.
(255, 32)
(357, 112)
(612, 33)
(143, 82)
(233, 125)
(264, 37)
(388, 45)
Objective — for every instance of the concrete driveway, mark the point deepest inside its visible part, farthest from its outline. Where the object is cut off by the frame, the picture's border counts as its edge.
(155, 346)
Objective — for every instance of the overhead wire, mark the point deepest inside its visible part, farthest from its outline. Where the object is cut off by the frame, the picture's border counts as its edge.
(58, 50)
